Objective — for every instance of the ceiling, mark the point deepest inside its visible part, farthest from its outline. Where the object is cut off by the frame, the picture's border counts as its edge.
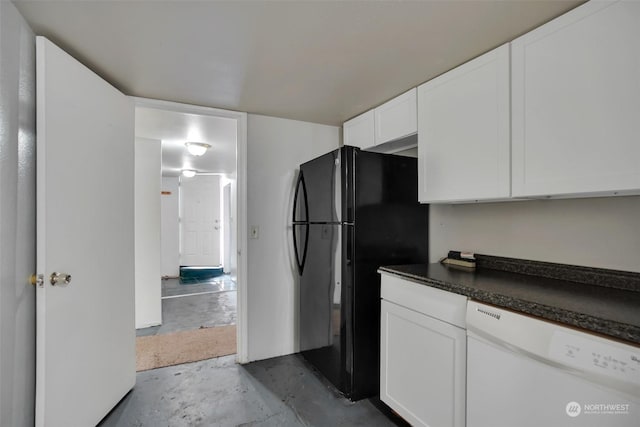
(318, 61)
(174, 129)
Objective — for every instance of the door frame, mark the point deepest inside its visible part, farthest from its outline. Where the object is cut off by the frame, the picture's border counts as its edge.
(226, 229)
(242, 355)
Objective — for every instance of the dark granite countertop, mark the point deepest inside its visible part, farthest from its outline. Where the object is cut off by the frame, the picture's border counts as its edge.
(609, 310)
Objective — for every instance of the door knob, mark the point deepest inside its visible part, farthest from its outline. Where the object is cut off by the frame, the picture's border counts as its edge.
(60, 279)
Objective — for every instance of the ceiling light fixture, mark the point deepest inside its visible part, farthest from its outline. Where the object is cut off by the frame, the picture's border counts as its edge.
(197, 148)
(188, 173)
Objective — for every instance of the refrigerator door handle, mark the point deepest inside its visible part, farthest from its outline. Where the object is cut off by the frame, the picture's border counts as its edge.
(300, 184)
(349, 244)
(295, 247)
(300, 262)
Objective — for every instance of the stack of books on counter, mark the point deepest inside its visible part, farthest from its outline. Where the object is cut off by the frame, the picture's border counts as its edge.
(460, 259)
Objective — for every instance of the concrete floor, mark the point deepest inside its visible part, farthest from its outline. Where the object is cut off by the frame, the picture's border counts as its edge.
(189, 312)
(284, 391)
(173, 287)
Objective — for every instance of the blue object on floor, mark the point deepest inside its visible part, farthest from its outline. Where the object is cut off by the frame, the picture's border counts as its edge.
(189, 275)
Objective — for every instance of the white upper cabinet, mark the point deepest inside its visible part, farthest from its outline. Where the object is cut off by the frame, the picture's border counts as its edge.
(576, 104)
(464, 132)
(396, 118)
(358, 132)
(389, 122)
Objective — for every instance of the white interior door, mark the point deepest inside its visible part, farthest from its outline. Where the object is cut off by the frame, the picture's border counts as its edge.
(85, 360)
(200, 221)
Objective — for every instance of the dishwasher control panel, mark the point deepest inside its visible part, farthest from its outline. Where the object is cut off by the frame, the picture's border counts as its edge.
(596, 355)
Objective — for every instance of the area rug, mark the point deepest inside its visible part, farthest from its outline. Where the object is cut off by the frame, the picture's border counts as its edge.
(190, 275)
(176, 348)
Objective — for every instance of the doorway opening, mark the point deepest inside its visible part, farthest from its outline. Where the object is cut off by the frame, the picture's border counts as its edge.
(195, 303)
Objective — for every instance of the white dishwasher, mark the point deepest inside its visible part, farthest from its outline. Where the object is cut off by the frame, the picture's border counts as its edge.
(526, 372)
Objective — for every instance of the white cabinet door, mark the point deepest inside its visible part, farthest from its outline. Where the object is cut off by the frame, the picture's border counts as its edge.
(396, 118)
(358, 132)
(576, 103)
(463, 132)
(422, 367)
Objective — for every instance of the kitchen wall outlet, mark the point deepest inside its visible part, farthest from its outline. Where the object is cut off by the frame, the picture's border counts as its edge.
(254, 232)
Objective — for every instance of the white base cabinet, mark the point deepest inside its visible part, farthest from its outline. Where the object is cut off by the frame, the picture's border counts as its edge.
(576, 104)
(422, 358)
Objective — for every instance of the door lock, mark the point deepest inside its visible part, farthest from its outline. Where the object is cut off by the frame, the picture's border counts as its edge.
(60, 279)
(37, 280)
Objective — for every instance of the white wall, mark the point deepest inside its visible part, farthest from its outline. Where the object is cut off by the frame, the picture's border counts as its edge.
(597, 232)
(275, 149)
(17, 218)
(147, 233)
(169, 230)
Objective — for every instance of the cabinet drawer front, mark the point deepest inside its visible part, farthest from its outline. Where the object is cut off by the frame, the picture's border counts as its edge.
(396, 118)
(576, 103)
(424, 299)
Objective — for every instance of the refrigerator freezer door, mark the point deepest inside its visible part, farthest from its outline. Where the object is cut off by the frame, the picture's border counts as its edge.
(322, 180)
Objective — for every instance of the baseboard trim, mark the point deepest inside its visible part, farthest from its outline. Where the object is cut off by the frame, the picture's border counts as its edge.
(149, 325)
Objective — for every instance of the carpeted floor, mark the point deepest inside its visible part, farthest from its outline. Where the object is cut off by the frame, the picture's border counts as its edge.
(196, 326)
(157, 351)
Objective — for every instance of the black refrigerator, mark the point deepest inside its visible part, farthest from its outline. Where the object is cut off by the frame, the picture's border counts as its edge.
(353, 212)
